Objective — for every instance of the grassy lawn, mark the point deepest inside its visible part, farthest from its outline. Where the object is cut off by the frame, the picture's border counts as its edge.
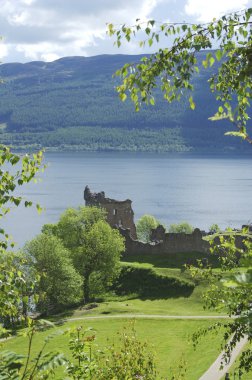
(192, 305)
(169, 260)
(177, 304)
(170, 340)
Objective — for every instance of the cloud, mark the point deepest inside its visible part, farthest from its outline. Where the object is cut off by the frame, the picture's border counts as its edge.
(4, 50)
(42, 29)
(207, 10)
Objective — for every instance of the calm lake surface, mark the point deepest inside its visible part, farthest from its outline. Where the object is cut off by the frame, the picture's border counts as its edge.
(173, 188)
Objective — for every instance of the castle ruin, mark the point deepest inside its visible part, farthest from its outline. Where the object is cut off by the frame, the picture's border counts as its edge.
(119, 213)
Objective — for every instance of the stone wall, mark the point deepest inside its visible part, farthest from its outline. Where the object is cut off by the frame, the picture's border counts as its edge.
(119, 213)
(169, 244)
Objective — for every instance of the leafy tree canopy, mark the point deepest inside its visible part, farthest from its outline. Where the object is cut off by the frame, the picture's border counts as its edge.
(172, 69)
(214, 228)
(95, 247)
(144, 226)
(60, 284)
(17, 281)
(183, 227)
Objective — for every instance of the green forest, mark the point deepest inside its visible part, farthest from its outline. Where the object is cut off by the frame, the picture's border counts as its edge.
(72, 104)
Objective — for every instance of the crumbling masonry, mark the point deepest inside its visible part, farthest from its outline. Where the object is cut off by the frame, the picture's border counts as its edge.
(121, 216)
(119, 213)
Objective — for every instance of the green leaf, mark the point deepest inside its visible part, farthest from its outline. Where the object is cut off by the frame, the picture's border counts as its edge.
(205, 64)
(211, 61)
(123, 97)
(219, 55)
(192, 104)
(217, 116)
(238, 134)
(39, 208)
(150, 41)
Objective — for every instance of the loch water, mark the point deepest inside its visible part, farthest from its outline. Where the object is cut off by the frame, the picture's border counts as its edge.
(173, 187)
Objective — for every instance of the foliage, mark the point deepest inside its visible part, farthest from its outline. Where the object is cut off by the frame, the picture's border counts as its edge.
(17, 289)
(95, 247)
(17, 282)
(131, 360)
(172, 69)
(230, 289)
(11, 180)
(75, 223)
(183, 227)
(24, 367)
(214, 229)
(144, 226)
(100, 254)
(81, 347)
(60, 284)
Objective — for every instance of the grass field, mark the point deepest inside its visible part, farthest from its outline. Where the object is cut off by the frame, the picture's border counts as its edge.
(177, 304)
(169, 339)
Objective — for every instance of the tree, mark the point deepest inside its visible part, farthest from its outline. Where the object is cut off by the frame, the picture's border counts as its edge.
(172, 69)
(18, 288)
(74, 224)
(17, 282)
(95, 247)
(144, 226)
(60, 284)
(214, 229)
(183, 227)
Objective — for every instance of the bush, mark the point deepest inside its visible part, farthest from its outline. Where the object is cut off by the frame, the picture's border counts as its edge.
(183, 227)
(214, 229)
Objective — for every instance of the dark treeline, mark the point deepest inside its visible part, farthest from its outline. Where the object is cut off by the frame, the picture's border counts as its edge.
(100, 139)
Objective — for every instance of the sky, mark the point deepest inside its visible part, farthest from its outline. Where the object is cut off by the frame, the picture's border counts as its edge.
(46, 30)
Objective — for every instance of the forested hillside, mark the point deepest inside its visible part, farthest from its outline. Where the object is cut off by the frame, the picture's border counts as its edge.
(71, 103)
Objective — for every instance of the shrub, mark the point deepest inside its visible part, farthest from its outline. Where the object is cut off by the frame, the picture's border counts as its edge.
(183, 227)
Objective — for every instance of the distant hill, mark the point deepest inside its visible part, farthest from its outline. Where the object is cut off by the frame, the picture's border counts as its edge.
(71, 103)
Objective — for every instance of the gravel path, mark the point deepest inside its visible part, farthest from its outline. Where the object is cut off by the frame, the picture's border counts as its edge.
(214, 372)
(146, 316)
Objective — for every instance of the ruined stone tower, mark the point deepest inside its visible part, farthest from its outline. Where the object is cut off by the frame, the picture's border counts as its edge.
(119, 213)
